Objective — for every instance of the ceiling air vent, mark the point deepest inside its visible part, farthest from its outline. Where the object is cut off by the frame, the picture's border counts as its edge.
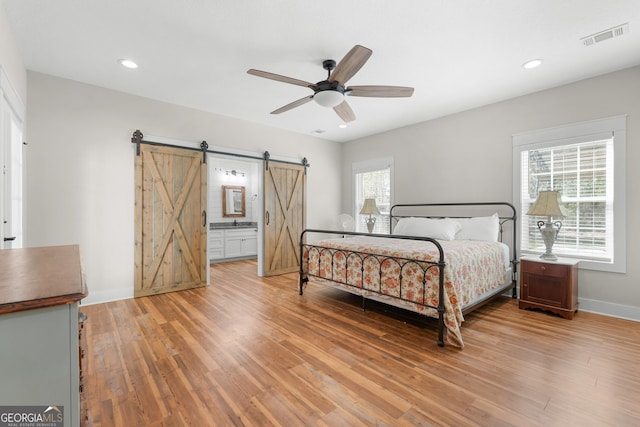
(605, 35)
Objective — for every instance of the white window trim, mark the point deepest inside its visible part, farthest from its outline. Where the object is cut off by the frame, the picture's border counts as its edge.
(369, 166)
(576, 133)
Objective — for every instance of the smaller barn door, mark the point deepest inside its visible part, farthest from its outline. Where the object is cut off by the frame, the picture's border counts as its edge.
(284, 216)
(171, 198)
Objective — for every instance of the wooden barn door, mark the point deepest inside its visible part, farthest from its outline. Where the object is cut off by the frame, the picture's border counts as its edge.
(170, 244)
(285, 202)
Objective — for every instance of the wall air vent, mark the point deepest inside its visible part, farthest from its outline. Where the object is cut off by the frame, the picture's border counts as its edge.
(605, 35)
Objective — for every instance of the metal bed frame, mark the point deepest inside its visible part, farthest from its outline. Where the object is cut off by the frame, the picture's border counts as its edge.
(412, 210)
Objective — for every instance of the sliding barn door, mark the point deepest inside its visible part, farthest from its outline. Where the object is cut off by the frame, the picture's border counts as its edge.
(170, 244)
(285, 202)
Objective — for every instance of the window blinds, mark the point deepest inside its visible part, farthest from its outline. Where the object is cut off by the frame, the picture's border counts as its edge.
(582, 173)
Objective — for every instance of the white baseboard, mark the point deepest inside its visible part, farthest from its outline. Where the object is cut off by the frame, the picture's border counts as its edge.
(609, 309)
(99, 297)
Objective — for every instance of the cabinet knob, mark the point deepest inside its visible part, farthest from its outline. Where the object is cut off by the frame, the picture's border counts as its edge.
(524, 285)
(543, 268)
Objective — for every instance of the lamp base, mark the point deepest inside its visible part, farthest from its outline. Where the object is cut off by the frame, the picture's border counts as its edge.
(549, 257)
(371, 222)
(549, 231)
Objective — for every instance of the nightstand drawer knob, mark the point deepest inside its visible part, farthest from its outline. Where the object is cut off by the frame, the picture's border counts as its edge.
(543, 268)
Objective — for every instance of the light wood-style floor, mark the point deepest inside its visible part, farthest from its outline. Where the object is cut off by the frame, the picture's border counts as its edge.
(250, 351)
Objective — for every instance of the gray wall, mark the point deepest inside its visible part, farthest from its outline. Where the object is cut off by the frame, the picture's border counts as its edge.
(80, 169)
(468, 157)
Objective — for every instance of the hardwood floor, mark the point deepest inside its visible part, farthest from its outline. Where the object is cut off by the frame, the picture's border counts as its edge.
(250, 351)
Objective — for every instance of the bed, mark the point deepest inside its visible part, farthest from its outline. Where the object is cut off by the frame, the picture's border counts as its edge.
(441, 260)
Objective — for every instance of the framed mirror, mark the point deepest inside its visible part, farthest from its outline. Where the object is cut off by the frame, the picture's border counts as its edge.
(233, 204)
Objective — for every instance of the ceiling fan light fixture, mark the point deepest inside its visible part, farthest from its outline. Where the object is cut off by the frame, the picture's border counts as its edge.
(329, 98)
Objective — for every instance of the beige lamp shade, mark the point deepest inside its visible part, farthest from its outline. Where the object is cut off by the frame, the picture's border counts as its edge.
(548, 203)
(369, 207)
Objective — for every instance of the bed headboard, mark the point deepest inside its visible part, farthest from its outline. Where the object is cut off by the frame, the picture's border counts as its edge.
(505, 210)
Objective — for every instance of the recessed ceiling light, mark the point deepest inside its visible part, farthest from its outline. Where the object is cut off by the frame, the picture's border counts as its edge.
(128, 63)
(532, 64)
(342, 126)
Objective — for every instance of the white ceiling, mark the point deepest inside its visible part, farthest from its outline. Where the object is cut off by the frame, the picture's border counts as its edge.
(457, 54)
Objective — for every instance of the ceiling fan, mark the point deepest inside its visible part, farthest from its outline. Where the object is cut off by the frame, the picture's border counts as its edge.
(332, 91)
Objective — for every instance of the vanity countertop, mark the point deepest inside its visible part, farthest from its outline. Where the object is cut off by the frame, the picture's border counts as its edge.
(232, 225)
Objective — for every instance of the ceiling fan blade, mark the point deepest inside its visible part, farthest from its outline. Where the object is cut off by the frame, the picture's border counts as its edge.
(278, 77)
(345, 112)
(381, 91)
(350, 64)
(294, 104)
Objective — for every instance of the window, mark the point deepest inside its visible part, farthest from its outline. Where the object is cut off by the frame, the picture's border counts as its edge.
(585, 163)
(372, 180)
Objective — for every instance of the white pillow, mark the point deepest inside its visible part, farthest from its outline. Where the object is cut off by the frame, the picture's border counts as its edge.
(484, 228)
(443, 229)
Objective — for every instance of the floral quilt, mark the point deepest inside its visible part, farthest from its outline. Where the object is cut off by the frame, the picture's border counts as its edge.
(398, 272)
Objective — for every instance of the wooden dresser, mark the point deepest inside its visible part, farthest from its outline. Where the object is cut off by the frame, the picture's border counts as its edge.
(40, 290)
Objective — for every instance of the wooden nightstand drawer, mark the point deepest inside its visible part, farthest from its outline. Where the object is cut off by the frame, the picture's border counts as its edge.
(546, 269)
(549, 285)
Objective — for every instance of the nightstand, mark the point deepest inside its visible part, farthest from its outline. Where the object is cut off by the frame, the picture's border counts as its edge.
(549, 285)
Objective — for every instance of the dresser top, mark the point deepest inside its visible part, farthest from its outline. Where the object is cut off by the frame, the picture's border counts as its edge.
(40, 277)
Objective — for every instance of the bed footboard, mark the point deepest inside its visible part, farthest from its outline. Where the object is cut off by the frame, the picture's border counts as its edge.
(356, 284)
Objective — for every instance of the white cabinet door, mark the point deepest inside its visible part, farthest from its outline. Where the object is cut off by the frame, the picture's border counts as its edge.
(216, 244)
(250, 246)
(233, 246)
(241, 243)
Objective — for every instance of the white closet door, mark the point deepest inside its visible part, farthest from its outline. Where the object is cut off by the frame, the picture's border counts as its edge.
(12, 168)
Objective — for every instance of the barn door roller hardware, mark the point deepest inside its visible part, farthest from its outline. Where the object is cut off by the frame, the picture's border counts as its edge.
(138, 138)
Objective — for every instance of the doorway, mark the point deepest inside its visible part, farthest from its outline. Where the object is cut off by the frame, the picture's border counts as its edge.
(234, 210)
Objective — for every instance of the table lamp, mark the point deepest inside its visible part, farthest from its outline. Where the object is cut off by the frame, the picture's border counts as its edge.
(548, 204)
(370, 208)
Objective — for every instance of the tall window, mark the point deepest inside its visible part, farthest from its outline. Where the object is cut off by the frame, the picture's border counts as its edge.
(585, 163)
(373, 180)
